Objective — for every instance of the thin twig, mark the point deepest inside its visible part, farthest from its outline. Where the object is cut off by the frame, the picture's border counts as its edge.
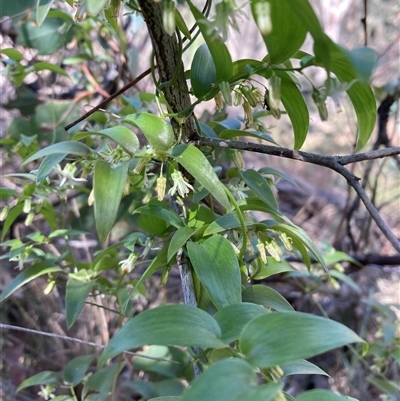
(76, 340)
(333, 162)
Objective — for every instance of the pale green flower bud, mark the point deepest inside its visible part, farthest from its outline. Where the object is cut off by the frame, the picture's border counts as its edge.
(274, 250)
(274, 92)
(4, 212)
(27, 205)
(261, 249)
(218, 101)
(29, 218)
(165, 275)
(160, 187)
(226, 92)
(237, 159)
(262, 11)
(169, 17)
(287, 241)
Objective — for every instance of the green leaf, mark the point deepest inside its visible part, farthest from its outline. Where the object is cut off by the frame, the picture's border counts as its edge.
(181, 325)
(260, 270)
(233, 133)
(226, 222)
(76, 294)
(233, 318)
(310, 21)
(272, 171)
(257, 183)
(6, 192)
(230, 380)
(360, 94)
(181, 24)
(27, 275)
(66, 147)
(108, 184)
(203, 74)
(44, 65)
(178, 240)
(288, 32)
(163, 212)
(219, 52)
(296, 108)
(281, 337)
(217, 268)
(13, 54)
(267, 297)
(157, 131)
(48, 164)
(319, 395)
(45, 378)
(95, 6)
(54, 34)
(99, 385)
(42, 10)
(196, 164)
(302, 367)
(121, 135)
(76, 369)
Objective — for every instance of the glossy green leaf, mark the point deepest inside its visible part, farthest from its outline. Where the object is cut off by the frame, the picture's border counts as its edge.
(27, 275)
(260, 270)
(310, 21)
(76, 369)
(233, 133)
(302, 367)
(43, 378)
(288, 32)
(44, 65)
(220, 53)
(99, 385)
(360, 94)
(179, 324)
(296, 108)
(163, 212)
(267, 297)
(230, 380)
(95, 6)
(257, 183)
(108, 184)
(121, 135)
(233, 318)
(217, 268)
(48, 164)
(13, 54)
(196, 164)
(157, 131)
(178, 240)
(203, 74)
(181, 24)
(281, 337)
(76, 293)
(42, 10)
(319, 395)
(66, 147)
(226, 222)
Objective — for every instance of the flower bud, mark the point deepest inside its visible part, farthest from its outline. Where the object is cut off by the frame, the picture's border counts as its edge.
(237, 98)
(320, 103)
(261, 249)
(218, 101)
(274, 250)
(27, 205)
(165, 275)
(160, 187)
(226, 92)
(274, 92)
(29, 218)
(4, 212)
(248, 112)
(262, 11)
(237, 159)
(169, 17)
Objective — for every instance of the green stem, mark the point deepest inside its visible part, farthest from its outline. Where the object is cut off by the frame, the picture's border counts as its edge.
(241, 221)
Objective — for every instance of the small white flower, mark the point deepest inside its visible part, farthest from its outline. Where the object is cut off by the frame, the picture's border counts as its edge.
(180, 185)
(68, 174)
(127, 265)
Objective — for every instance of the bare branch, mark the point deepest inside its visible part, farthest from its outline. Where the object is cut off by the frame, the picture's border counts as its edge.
(333, 162)
(76, 340)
